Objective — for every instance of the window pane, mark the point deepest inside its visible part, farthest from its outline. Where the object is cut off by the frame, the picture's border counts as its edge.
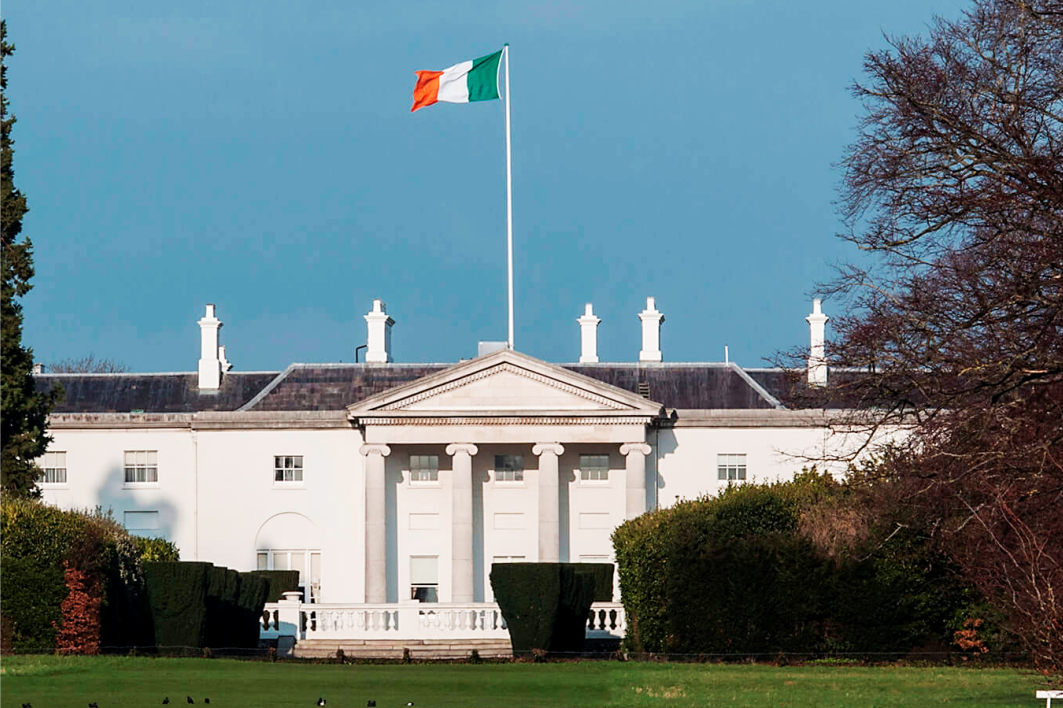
(315, 567)
(424, 594)
(263, 560)
(509, 463)
(280, 560)
(299, 563)
(130, 458)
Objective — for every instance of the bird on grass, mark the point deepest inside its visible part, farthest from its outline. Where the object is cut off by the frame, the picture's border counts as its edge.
(371, 704)
(27, 705)
(94, 705)
(189, 699)
(321, 701)
(207, 701)
(166, 701)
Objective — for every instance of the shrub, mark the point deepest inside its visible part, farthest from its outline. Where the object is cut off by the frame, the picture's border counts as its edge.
(750, 572)
(223, 618)
(278, 582)
(33, 593)
(545, 604)
(80, 632)
(156, 549)
(602, 577)
(37, 543)
(176, 595)
(250, 598)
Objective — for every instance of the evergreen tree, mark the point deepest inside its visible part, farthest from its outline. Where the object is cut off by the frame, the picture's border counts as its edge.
(24, 411)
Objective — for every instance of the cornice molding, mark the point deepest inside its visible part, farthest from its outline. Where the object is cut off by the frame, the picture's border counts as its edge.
(495, 421)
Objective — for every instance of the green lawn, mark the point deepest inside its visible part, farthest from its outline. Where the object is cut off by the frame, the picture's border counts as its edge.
(55, 682)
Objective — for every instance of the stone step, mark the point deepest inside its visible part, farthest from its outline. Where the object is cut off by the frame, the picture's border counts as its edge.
(393, 648)
(400, 643)
(393, 654)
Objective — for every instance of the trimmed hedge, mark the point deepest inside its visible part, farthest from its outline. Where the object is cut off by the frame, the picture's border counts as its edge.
(250, 599)
(196, 604)
(279, 582)
(545, 605)
(223, 589)
(176, 596)
(601, 576)
(732, 574)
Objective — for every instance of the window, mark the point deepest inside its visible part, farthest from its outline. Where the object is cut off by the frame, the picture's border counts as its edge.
(306, 561)
(288, 468)
(507, 559)
(53, 468)
(509, 468)
(594, 468)
(424, 578)
(141, 466)
(731, 468)
(424, 469)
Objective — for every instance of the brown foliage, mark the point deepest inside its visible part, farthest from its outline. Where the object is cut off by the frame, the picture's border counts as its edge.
(80, 632)
(956, 185)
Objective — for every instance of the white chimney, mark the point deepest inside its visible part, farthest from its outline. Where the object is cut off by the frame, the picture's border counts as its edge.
(225, 363)
(817, 360)
(209, 363)
(38, 368)
(588, 330)
(651, 332)
(378, 350)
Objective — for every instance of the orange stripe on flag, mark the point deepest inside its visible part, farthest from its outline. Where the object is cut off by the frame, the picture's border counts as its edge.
(426, 92)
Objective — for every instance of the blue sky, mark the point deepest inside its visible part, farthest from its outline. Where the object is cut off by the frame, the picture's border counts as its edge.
(262, 156)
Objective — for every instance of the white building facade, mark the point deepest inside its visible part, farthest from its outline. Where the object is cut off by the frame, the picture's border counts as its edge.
(387, 482)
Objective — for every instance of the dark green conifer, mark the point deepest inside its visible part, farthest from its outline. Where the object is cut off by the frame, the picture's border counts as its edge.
(23, 410)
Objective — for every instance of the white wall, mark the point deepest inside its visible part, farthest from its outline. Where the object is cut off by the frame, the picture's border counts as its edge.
(224, 478)
(687, 457)
(96, 477)
(238, 497)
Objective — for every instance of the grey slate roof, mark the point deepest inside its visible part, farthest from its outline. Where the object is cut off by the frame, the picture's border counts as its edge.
(151, 393)
(305, 387)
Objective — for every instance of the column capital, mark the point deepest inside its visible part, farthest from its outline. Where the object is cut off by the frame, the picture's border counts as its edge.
(556, 448)
(469, 448)
(639, 447)
(375, 449)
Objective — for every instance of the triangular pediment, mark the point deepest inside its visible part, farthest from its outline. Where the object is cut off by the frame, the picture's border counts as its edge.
(505, 383)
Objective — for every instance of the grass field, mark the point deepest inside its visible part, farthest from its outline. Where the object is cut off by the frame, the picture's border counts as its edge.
(114, 682)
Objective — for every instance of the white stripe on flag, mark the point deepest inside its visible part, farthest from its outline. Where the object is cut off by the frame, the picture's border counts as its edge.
(454, 83)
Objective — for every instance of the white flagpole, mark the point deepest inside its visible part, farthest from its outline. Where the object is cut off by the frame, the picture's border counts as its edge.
(509, 202)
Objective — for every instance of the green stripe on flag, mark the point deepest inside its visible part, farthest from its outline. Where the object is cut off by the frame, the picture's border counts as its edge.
(483, 77)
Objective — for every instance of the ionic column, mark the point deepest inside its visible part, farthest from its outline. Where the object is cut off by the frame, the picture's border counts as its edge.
(376, 564)
(635, 474)
(461, 524)
(549, 528)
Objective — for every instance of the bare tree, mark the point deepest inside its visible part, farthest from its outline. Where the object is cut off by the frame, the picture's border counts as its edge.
(87, 365)
(955, 186)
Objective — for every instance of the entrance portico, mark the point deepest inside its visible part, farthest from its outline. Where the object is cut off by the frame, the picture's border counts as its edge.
(498, 459)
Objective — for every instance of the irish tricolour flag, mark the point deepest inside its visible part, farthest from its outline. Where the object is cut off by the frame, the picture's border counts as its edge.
(475, 80)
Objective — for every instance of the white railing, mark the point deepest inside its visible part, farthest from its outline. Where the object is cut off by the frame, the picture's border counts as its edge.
(607, 620)
(477, 620)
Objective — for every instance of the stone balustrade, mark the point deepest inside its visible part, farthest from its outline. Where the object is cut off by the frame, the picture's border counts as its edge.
(411, 621)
